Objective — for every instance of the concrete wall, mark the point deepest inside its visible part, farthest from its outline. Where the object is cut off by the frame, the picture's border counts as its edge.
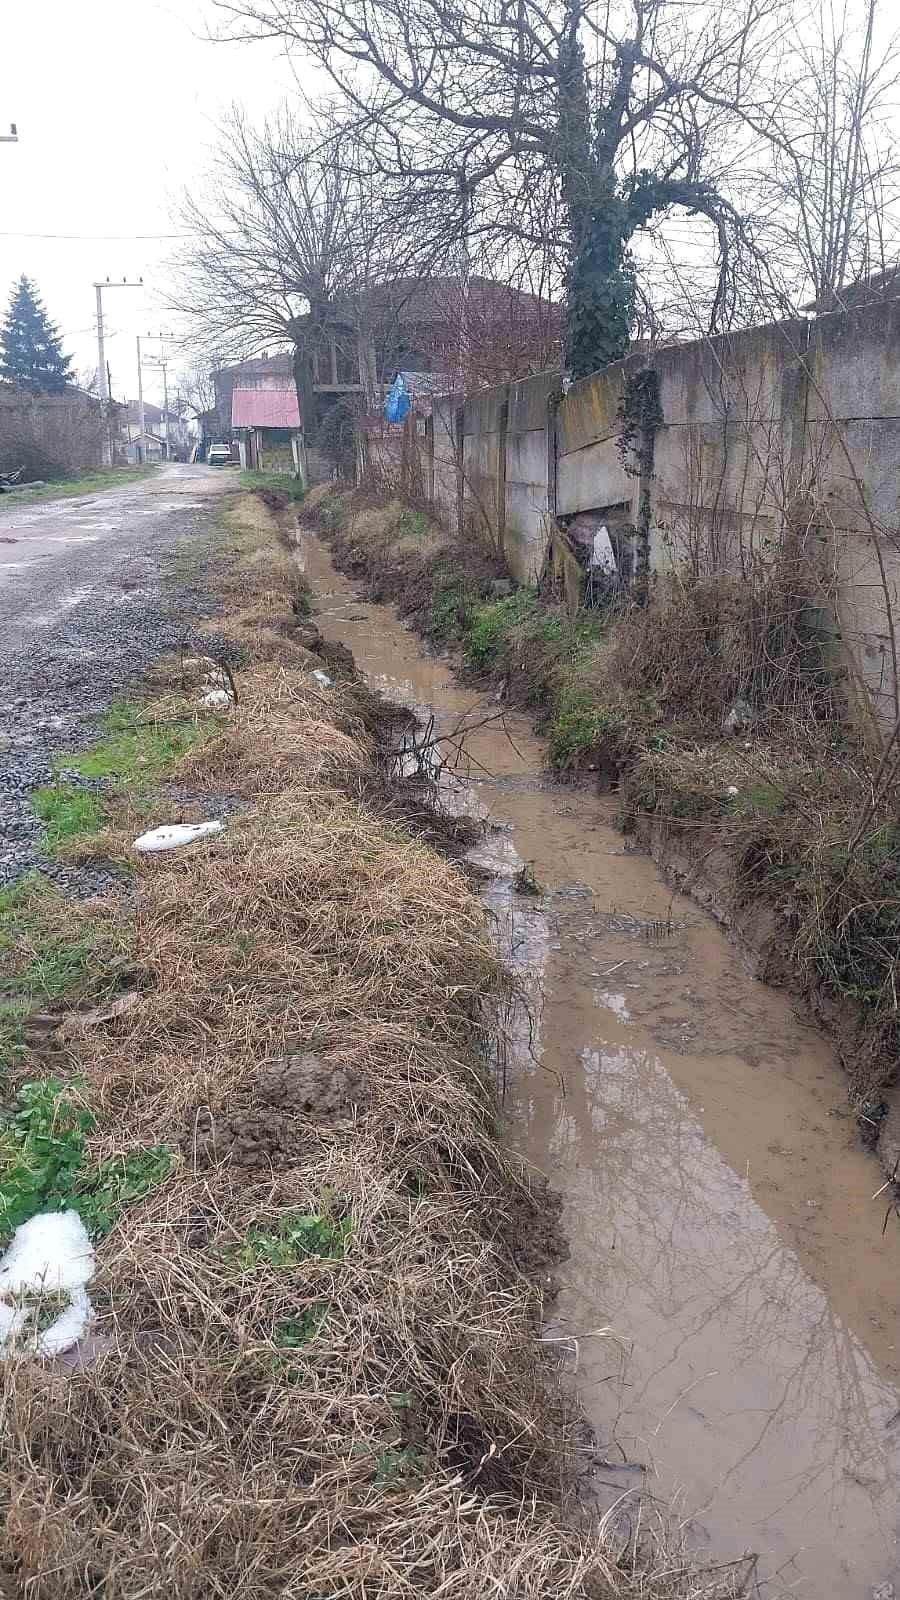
(794, 425)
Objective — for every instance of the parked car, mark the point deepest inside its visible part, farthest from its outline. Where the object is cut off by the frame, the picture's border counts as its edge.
(219, 455)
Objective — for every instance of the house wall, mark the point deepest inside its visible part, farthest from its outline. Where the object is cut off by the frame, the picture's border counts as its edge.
(791, 426)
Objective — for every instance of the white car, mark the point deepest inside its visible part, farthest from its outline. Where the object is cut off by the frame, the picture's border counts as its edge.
(219, 455)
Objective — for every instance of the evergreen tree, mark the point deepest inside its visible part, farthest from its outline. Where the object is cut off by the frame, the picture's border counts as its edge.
(30, 353)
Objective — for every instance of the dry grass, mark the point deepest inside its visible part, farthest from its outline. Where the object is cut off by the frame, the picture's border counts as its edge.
(375, 1420)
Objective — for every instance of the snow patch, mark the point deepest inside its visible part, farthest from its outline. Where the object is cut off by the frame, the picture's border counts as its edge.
(50, 1254)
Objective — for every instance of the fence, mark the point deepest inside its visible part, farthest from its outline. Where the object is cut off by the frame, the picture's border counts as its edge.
(713, 454)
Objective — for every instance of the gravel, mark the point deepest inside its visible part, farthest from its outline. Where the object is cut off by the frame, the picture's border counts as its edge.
(54, 689)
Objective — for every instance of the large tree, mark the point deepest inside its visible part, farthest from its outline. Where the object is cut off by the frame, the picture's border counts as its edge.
(286, 248)
(551, 125)
(30, 351)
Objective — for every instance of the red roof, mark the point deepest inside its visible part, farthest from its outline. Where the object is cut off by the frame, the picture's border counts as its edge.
(265, 408)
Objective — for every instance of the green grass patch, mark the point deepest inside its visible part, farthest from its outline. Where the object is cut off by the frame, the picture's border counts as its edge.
(44, 1166)
(578, 726)
(46, 957)
(492, 625)
(398, 1464)
(66, 812)
(294, 1332)
(281, 482)
(134, 752)
(12, 1032)
(92, 482)
(412, 524)
(295, 1237)
(453, 604)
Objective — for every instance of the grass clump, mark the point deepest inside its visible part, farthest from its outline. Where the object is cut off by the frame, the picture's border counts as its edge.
(66, 812)
(45, 952)
(491, 626)
(136, 750)
(92, 481)
(48, 954)
(292, 1333)
(578, 725)
(279, 483)
(450, 611)
(295, 1237)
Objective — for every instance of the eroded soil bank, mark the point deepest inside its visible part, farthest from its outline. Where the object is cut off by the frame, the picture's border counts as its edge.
(718, 1206)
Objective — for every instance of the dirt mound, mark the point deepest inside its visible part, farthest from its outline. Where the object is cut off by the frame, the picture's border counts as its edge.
(252, 1139)
(268, 1133)
(304, 1084)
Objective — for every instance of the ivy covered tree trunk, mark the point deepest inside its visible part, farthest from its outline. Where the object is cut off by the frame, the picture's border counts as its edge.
(600, 281)
(600, 288)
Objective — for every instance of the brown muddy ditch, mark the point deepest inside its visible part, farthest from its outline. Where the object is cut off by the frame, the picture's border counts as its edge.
(728, 1310)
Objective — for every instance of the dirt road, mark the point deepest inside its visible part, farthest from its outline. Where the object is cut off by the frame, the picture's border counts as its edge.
(87, 601)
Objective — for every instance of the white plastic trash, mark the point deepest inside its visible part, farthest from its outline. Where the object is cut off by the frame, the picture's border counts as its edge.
(50, 1254)
(603, 557)
(175, 834)
(216, 700)
(323, 679)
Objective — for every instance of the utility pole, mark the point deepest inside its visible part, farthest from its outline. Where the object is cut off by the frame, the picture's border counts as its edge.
(102, 373)
(142, 434)
(163, 363)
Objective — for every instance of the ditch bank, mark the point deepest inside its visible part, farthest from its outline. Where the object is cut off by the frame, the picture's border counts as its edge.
(774, 828)
(260, 1079)
(728, 1309)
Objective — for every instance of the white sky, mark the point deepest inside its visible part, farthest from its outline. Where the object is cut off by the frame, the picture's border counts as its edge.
(116, 103)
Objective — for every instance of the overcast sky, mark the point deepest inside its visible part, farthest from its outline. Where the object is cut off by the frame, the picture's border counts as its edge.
(116, 103)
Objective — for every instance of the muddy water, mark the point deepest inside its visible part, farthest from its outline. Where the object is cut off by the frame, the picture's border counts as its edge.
(719, 1212)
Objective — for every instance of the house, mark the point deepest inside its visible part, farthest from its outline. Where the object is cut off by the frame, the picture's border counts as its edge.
(157, 435)
(266, 422)
(865, 291)
(467, 334)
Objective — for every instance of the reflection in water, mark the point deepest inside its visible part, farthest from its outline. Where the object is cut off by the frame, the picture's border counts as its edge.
(741, 1391)
(717, 1209)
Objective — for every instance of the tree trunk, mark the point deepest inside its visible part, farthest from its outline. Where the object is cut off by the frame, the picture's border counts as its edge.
(599, 282)
(304, 381)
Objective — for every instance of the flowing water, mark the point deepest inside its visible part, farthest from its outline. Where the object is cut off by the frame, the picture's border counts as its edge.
(719, 1212)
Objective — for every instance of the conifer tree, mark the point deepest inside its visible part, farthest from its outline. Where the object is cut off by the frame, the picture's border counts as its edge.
(30, 353)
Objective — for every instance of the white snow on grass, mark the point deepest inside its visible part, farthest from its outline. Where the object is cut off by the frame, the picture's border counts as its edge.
(50, 1255)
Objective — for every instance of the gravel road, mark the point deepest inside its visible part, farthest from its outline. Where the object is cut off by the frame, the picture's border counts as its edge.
(88, 599)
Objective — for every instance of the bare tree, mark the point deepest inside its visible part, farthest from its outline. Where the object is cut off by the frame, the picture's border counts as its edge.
(833, 188)
(283, 253)
(501, 115)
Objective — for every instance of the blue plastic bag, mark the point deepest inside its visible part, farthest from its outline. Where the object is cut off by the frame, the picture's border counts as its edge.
(397, 403)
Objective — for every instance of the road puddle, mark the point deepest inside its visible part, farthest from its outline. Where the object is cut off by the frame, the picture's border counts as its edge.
(718, 1208)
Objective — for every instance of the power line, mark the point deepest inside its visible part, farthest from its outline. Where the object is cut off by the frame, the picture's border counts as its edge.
(96, 238)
